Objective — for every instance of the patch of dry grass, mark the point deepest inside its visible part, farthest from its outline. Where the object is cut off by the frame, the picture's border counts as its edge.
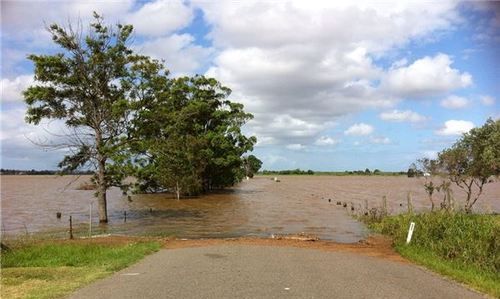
(46, 282)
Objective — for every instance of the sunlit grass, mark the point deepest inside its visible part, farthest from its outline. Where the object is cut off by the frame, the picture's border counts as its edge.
(479, 279)
(462, 246)
(55, 269)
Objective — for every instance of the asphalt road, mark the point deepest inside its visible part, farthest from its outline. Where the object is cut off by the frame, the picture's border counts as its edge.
(239, 271)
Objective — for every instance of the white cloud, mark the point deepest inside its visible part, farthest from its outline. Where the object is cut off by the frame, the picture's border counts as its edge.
(16, 133)
(28, 146)
(21, 142)
(380, 140)
(22, 18)
(161, 17)
(295, 58)
(373, 24)
(295, 146)
(181, 54)
(455, 127)
(24, 22)
(402, 116)
(399, 63)
(10, 122)
(284, 129)
(273, 159)
(487, 100)
(326, 140)
(426, 76)
(264, 140)
(12, 89)
(360, 129)
(455, 102)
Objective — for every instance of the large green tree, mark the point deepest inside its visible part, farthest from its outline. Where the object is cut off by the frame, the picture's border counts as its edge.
(91, 85)
(190, 130)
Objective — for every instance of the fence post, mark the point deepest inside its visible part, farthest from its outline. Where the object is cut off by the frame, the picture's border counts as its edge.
(409, 203)
(70, 227)
(90, 221)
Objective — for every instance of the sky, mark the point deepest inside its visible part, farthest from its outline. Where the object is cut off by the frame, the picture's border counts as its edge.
(332, 85)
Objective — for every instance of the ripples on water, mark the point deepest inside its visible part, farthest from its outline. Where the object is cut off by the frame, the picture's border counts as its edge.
(258, 207)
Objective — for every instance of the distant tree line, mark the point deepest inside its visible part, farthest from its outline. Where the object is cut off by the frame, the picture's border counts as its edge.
(288, 172)
(376, 171)
(335, 173)
(127, 117)
(40, 172)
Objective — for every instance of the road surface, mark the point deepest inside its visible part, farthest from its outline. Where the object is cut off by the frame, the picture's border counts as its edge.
(243, 271)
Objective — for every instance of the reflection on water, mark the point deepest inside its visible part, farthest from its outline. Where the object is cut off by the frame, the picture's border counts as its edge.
(259, 207)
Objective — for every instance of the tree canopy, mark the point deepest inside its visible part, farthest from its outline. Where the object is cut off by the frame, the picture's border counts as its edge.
(194, 132)
(88, 86)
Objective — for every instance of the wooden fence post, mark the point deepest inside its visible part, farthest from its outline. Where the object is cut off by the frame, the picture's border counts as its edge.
(70, 227)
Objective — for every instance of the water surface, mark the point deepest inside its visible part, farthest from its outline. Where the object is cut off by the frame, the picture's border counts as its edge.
(258, 207)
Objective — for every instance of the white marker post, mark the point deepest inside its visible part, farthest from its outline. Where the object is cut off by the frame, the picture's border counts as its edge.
(410, 232)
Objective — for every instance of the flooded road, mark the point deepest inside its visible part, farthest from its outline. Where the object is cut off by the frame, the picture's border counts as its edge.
(258, 207)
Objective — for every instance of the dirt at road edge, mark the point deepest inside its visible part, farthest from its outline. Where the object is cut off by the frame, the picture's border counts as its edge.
(374, 246)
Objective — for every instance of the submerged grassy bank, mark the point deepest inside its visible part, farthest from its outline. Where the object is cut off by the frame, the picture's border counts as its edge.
(52, 269)
(464, 247)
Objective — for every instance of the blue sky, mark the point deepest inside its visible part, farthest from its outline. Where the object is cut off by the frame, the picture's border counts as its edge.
(332, 86)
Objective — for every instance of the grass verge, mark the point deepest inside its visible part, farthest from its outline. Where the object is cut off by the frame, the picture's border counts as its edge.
(57, 268)
(461, 246)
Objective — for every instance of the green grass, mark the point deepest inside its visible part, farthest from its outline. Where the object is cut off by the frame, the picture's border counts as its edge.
(462, 246)
(55, 269)
(477, 278)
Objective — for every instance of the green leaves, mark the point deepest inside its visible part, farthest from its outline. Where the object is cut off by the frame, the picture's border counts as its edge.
(473, 159)
(476, 154)
(193, 134)
(76, 160)
(251, 164)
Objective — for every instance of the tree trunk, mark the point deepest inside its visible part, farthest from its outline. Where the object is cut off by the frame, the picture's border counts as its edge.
(483, 181)
(468, 206)
(101, 181)
(177, 191)
(101, 191)
(451, 200)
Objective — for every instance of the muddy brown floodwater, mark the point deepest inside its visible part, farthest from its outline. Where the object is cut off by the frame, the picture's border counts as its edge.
(258, 207)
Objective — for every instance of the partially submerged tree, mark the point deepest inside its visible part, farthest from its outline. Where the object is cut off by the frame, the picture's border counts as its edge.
(469, 163)
(251, 164)
(190, 130)
(412, 170)
(88, 85)
(473, 160)
(430, 168)
(177, 161)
